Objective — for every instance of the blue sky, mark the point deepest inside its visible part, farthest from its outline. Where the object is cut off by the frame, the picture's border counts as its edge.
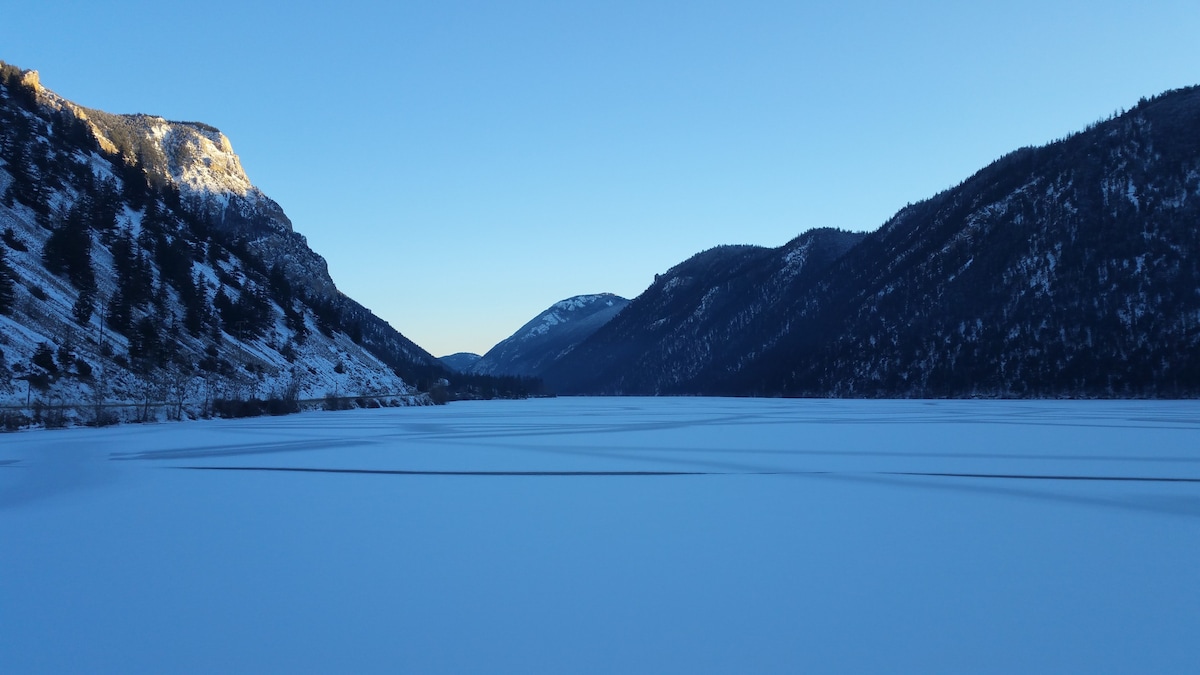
(463, 165)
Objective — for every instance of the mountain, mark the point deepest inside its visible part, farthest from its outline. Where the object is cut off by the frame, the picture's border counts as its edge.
(697, 314)
(138, 263)
(1068, 270)
(461, 362)
(550, 335)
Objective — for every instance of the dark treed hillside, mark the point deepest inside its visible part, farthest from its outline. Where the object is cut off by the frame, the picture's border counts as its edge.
(698, 313)
(460, 362)
(1066, 270)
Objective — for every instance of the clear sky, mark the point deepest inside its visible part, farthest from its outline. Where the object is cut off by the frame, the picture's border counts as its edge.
(463, 165)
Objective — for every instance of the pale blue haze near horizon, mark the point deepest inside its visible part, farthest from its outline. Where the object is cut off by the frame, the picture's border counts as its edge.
(463, 165)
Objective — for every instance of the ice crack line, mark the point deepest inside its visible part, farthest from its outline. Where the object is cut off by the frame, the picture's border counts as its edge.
(1017, 476)
(415, 472)
(405, 472)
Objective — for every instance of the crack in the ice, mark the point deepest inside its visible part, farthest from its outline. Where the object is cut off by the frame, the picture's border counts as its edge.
(436, 472)
(406, 472)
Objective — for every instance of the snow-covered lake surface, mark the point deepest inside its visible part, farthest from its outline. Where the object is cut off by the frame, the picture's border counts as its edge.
(611, 535)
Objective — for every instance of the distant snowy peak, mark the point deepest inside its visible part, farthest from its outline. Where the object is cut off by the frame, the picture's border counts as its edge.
(565, 311)
(582, 301)
(550, 335)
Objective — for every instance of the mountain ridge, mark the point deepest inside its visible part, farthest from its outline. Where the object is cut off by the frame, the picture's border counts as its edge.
(139, 263)
(460, 362)
(1065, 270)
(550, 335)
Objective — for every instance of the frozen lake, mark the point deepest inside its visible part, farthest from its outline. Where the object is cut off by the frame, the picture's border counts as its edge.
(611, 535)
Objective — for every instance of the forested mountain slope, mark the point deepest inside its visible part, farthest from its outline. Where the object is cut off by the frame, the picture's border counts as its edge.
(138, 263)
(1071, 269)
(704, 311)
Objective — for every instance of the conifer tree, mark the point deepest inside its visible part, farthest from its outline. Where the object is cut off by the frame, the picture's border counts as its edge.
(68, 250)
(84, 306)
(7, 278)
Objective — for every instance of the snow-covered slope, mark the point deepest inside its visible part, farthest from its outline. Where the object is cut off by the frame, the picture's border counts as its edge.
(550, 335)
(143, 266)
(198, 160)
